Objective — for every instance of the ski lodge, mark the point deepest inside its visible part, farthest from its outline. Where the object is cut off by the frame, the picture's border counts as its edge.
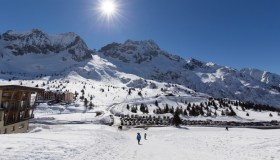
(17, 104)
(67, 96)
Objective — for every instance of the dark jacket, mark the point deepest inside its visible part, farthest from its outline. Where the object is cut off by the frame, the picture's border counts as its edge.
(138, 137)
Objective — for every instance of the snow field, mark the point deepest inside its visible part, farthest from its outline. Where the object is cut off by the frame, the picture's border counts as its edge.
(88, 141)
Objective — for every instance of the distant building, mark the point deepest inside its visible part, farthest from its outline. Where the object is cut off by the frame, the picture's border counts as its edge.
(17, 104)
(56, 95)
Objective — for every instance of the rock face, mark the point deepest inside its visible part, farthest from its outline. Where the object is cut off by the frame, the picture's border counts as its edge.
(67, 52)
(135, 51)
(37, 42)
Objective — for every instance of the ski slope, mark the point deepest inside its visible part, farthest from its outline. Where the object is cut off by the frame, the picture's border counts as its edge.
(95, 142)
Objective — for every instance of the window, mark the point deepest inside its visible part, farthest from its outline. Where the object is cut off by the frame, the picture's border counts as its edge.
(6, 94)
(21, 126)
(21, 104)
(6, 104)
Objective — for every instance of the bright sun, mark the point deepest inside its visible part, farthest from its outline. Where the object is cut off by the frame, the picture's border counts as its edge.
(109, 11)
(108, 7)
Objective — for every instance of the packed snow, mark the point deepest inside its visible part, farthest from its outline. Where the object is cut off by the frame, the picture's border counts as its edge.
(89, 141)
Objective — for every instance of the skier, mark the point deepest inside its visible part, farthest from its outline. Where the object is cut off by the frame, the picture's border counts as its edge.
(145, 136)
(226, 128)
(138, 138)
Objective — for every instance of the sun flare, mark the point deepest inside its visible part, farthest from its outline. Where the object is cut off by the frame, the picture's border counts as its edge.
(108, 7)
(110, 12)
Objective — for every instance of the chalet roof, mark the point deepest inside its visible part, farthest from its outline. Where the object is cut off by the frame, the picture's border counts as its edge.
(17, 87)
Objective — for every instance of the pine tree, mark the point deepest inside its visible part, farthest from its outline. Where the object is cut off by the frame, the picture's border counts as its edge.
(215, 114)
(176, 119)
(270, 115)
(166, 109)
(209, 114)
(189, 107)
(146, 110)
(201, 105)
(214, 104)
(201, 112)
(193, 112)
(86, 103)
(223, 113)
(156, 103)
(185, 112)
(142, 107)
(134, 109)
(90, 105)
(247, 114)
(231, 113)
(227, 111)
(171, 110)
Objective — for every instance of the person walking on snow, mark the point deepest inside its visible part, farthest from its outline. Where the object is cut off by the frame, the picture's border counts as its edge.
(145, 136)
(138, 138)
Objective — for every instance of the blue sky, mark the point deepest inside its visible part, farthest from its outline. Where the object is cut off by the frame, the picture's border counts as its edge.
(236, 33)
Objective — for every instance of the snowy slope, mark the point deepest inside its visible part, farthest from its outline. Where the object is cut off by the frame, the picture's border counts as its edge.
(88, 141)
(37, 57)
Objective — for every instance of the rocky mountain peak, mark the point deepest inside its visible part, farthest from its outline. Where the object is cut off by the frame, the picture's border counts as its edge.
(144, 45)
(135, 51)
(38, 42)
(263, 76)
(195, 64)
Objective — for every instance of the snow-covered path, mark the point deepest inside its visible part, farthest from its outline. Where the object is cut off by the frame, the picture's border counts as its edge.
(206, 143)
(94, 142)
(156, 147)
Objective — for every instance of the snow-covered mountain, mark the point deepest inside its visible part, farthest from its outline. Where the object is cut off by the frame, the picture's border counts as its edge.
(147, 60)
(36, 51)
(132, 64)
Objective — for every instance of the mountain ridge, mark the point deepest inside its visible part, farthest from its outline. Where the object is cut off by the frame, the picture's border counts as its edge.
(142, 59)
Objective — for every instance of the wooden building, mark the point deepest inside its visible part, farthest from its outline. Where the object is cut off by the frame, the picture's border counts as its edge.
(17, 104)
